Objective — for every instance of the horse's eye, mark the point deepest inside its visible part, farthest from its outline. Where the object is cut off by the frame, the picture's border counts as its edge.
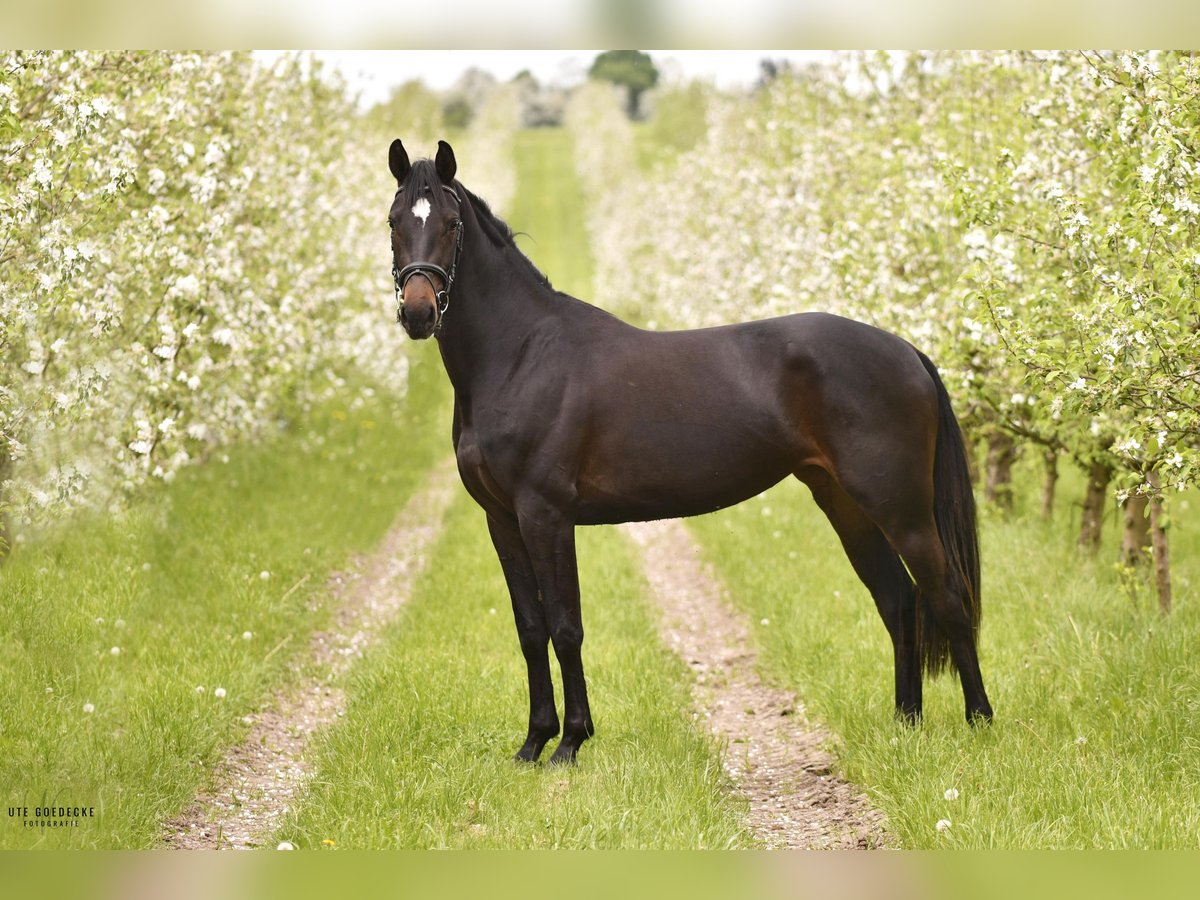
(452, 225)
(390, 224)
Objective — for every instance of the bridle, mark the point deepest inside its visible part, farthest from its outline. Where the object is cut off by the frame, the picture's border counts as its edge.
(442, 298)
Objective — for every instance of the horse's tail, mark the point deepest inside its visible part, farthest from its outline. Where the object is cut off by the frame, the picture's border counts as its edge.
(954, 513)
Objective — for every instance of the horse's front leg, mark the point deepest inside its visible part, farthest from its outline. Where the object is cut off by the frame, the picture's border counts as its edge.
(550, 539)
(532, 632)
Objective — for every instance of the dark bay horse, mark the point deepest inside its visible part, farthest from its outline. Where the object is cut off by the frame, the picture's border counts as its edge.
(564, 415)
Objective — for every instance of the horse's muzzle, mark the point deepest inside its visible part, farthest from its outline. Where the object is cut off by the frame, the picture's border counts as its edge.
(420, 320)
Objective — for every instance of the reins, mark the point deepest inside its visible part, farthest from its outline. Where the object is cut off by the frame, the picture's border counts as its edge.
(401, 276)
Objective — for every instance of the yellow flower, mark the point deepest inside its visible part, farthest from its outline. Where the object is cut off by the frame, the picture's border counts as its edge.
(329, 842)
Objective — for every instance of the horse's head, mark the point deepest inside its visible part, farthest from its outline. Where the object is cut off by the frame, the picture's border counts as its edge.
(426, 237)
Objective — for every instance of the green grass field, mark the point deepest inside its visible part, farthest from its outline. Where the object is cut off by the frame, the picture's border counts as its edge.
(129, 616)
(1097, 702)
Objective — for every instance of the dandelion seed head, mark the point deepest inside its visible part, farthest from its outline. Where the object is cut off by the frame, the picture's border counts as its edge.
(943, 825)
(951, 794)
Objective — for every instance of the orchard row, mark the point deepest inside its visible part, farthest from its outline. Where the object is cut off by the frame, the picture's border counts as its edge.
(191, 246)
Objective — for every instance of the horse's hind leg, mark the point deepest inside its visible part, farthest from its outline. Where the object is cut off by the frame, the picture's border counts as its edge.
(878, 567)
(532, 631)
(947, 616)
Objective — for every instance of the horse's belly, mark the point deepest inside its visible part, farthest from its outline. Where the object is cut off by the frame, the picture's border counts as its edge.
(674, 469)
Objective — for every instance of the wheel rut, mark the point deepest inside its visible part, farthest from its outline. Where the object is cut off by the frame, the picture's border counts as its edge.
(261, 779)
(775, 755)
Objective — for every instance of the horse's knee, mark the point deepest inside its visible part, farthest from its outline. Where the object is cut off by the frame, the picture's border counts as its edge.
(534, 646)
(567, 638)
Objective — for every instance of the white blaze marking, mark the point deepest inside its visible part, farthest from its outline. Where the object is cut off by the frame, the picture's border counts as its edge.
(421, 210)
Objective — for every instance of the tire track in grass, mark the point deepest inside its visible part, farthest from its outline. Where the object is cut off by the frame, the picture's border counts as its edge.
(775, 755)
(262, 777)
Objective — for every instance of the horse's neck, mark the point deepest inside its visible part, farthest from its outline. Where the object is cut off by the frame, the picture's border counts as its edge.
(497, 301)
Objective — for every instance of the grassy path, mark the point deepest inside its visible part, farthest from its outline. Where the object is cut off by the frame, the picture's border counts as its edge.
(1097, 703)
(422, 758)
(549, 207)
(267, 773)
(134, 645)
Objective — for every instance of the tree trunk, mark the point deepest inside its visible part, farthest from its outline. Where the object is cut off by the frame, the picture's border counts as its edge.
(1135, 540)
(1099, 476)
(633, 104)
(1049, 482)
(1158, 539)
(1001, 453)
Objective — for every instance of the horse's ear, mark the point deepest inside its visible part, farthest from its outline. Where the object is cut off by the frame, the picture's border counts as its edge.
(445, 164)
(398, 161)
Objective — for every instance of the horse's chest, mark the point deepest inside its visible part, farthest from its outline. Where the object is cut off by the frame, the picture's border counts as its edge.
(482, 477)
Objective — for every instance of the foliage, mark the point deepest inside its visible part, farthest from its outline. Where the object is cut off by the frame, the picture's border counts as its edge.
(183, 255)
(680, 117)
(1098, 297)
(192, 249)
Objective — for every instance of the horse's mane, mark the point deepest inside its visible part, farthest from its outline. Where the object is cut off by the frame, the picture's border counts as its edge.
(423, 181)
(501, 235)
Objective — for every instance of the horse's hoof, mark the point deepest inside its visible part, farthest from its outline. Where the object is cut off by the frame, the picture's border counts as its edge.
(528, 754)
(979, 718)
(563, 756)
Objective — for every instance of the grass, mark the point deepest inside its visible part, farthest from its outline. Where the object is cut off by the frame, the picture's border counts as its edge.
(1098, 706)
(548, 206)
(422, 758)
(175, 583)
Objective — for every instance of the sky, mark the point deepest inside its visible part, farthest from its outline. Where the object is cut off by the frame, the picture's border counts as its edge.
(374, 73)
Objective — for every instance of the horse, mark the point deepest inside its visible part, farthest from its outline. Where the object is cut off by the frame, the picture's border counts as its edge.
(565, 415)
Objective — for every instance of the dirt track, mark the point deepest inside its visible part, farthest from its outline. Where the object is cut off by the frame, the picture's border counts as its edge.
(774, 754)
(260, 778)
